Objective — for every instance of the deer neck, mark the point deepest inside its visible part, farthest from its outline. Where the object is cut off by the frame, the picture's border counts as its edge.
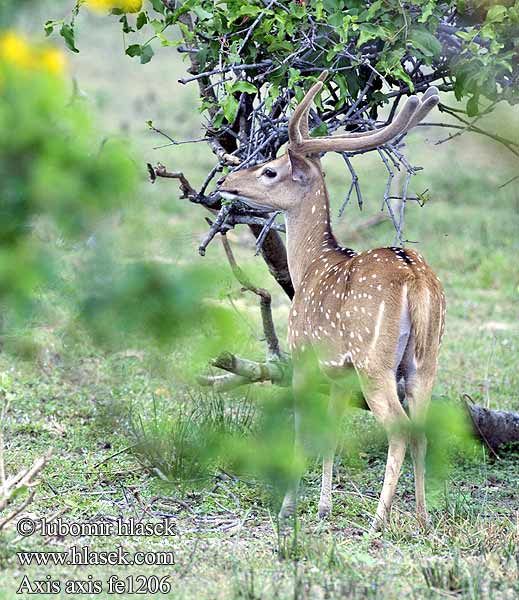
(308, 231)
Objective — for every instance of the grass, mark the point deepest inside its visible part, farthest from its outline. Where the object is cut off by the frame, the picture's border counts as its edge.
(94, 406)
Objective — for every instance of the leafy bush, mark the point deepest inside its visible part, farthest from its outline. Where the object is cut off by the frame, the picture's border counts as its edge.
(253, 60)
(53, 167)
(282, 43)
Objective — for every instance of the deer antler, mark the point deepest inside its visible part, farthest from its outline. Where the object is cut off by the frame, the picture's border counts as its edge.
(411, 114)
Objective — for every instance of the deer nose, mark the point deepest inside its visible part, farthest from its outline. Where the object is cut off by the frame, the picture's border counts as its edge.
(221, 180)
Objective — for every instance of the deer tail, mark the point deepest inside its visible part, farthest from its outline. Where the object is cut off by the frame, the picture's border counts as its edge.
(424, 310)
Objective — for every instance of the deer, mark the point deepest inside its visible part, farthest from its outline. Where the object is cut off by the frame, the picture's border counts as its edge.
(377, 314)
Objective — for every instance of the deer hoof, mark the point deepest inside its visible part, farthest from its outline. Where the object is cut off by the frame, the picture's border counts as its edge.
(324, 511)
(423, 520)
(377, 525)
(287, 512)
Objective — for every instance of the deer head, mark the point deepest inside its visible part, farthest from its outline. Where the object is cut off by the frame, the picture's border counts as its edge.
(281, 184)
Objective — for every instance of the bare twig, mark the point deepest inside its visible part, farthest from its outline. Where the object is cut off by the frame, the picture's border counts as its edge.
(403, 200)
(109, 458)
(225, 157)
(23, 480)
(269, 224)
(509, 144)
(215, 228)
(160, 171)
(353, 186)
(220, 70)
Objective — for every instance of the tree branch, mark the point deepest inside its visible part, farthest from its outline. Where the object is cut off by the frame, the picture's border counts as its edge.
(253, 371)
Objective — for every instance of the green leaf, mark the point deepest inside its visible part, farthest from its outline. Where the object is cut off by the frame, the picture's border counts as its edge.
(320, 130)
(427, 12)
(273, 94)
(142, 19)
(201, 13)
(331, 6)
(165, 42)
(467, 76)
(335, 19)
(218, 120)
(247, 10)
(243, 86)
(157, 25)
(473, 106)
(67, 33)
(298, 10)
(496, 14)
(147, 54)
(340, 80)
(230, 108)
(374, 9)
(402, 74)
(126, 25)
(370, 32)
(134, 50)
(277, 45)
(319, 9)
(468, 36)
(423, 40)
(49, 26)
(158, 6)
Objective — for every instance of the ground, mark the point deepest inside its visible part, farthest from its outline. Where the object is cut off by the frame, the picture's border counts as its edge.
(72, 396)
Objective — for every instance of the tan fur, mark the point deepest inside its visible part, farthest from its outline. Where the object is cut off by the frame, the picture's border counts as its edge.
(380, 312)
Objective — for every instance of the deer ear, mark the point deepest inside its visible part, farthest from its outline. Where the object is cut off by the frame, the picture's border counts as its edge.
(298, 166)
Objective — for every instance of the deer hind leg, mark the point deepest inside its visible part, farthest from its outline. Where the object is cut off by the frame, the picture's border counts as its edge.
(336, 409)
(382, 398)
(419, 379)
(418, 388)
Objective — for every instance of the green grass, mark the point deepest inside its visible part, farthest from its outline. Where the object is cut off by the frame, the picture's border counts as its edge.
(86, 403)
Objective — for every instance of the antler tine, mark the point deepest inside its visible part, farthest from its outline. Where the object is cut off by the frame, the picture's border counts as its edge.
(411, 114)
(298, 125)
(429, 100)
(355, 142)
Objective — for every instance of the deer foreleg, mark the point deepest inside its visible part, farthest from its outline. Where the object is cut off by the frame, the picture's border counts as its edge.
(288, 507)
(335, 413)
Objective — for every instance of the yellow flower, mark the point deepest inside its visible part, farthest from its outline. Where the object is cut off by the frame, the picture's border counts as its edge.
(127, 6)
(100, 5)
(53, 60)
(130, 6)
(15, 49)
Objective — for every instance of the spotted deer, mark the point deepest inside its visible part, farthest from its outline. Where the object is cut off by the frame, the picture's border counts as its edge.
(379, 313)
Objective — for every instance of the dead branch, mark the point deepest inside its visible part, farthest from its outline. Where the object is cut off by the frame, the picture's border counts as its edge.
(160, 170)
(24, 479)
(225, 157)
(353, 186)
(223, 383)
(255, 372)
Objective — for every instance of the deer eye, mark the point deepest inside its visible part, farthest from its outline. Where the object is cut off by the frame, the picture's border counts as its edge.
(270, 173)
